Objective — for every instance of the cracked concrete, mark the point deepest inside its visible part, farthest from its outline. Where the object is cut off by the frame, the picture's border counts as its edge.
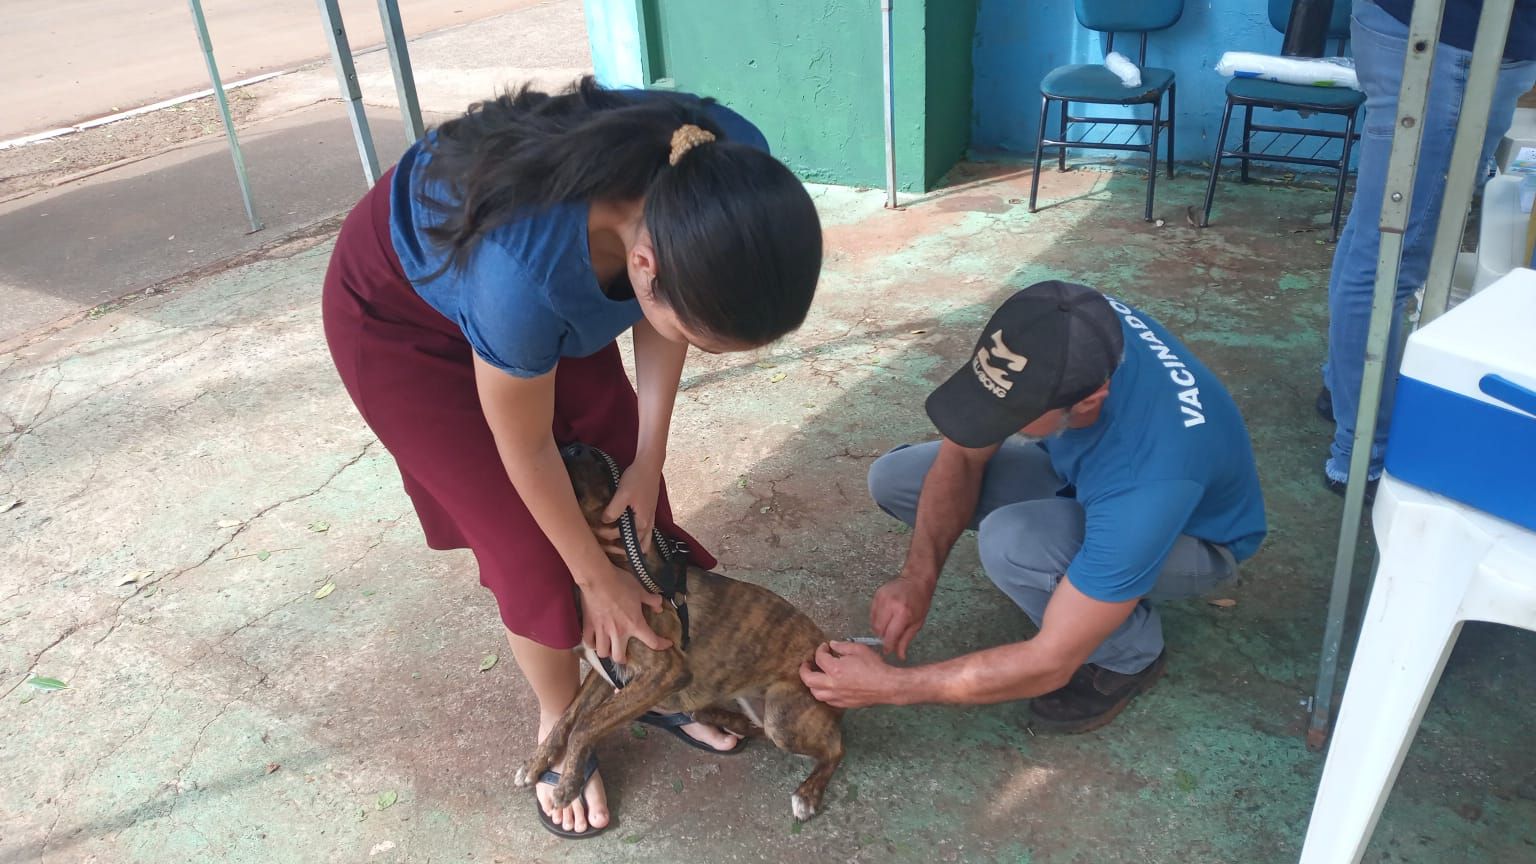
(218, 709)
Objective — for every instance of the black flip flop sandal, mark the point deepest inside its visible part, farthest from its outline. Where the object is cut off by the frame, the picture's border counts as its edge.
(674, 723)
(552, 778)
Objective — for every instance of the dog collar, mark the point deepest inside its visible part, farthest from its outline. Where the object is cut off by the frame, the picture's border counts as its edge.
(675, 554)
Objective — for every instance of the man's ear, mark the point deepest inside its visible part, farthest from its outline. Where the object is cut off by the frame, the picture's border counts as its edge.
(1093, 402)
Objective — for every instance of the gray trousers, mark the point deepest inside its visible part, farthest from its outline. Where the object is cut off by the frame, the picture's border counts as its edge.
(1027, 536)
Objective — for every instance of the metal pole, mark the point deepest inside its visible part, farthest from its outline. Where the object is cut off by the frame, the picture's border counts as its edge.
(400, 68)
(1423, 36)
(1471, 129)
(888, 62)
(229, 122)
(346, 77)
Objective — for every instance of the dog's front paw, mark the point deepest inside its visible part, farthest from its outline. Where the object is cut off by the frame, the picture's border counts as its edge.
(802, 808)
(524, 779)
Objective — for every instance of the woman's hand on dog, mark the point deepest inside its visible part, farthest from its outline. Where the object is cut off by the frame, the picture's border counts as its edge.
(639, 489)
(898, 611)
(613, 611)
(850, 675)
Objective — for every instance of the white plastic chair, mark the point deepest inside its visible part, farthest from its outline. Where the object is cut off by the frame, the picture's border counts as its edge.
(1442, 563)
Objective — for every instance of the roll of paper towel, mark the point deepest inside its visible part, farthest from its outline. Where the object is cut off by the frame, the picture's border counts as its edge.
(1123, 68)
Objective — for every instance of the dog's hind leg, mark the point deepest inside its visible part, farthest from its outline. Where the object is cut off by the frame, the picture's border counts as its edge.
(664, 676)
(594, 689)
(797, 723)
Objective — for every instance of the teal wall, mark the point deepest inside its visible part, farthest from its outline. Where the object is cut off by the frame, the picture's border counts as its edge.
(808, 73)
(951, 33)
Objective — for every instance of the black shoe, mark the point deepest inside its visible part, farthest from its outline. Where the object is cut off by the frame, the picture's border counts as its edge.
(1324, 404)
(1092, 698)
(1337, 487)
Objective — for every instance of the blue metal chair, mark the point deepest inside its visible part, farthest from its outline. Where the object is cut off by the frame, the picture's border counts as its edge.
(1095, 85)
(1251, 93)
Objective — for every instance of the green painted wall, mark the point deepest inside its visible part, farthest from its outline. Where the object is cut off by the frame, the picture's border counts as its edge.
(808, 73)
(951, 33)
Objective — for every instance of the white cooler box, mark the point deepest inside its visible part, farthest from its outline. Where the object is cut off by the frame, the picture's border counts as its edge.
(1464, 425)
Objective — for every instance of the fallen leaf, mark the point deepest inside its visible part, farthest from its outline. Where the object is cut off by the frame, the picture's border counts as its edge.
(633, 839)
(150, 590)
(135, 576)
(272, 766)
(917, 332)
(387, 799)
(381, 848)
(1189, 216)
(777, 377)
(172, 237)
(853, 792)
(263, 555)
(325, 590)
(741, 481)
(763, 364)
(319, 527)
(228, 523)
(677, 785)
(487, 662)
(42, 683)
(796, 827)
(369, 592)
(9, 504)
(637, 730)
(415, 674)
(1224, 602)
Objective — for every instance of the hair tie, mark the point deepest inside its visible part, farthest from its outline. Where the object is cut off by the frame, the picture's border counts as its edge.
(687, 137)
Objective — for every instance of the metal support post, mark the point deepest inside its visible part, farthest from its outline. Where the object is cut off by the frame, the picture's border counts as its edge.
(889, 61)
(400, 67)
(1423, 36)
(1471, 129)
(229, 123)
(346, 77)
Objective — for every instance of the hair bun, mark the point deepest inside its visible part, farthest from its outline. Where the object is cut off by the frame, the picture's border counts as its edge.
(687, 137)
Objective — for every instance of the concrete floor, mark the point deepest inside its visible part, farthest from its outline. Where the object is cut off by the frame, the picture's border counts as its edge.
(219, 710)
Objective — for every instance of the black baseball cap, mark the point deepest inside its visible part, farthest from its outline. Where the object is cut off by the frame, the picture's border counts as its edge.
(1047, 347)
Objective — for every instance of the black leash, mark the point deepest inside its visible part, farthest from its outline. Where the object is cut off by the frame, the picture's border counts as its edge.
(671, 584)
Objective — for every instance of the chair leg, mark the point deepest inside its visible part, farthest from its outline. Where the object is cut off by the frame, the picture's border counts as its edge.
(1061, 154)
(1173, 121)
(1221, 143)
(1247, 137)
(1157, 116)
(1338, 194)
(1408, 629)
(1034, 181)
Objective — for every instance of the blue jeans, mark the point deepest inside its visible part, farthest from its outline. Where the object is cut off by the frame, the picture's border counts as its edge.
(1027, 537)
(1380, 44)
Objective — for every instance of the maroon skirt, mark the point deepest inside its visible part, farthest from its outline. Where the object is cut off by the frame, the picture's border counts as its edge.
(409, 371)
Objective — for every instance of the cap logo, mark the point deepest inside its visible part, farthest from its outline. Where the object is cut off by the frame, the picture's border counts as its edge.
(991, 376)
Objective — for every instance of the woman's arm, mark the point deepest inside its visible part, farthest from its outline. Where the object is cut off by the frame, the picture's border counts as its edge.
(658, 368)
(520, 412)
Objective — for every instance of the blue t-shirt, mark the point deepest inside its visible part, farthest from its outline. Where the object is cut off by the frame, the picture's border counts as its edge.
(1169, 455)
(527, 295)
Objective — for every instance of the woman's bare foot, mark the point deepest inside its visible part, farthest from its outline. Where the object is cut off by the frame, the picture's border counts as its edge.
(714, 736)
(588, 811)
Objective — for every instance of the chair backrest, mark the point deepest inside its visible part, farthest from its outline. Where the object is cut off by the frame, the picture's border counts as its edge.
(1338, 24)
(1129, 16)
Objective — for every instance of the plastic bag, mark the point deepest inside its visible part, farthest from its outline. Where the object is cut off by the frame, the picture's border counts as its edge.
(1311, 71)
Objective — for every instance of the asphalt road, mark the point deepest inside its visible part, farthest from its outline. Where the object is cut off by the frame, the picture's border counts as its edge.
(68, 61)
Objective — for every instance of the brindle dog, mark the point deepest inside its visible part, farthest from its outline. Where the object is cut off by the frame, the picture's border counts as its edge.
(746, 646)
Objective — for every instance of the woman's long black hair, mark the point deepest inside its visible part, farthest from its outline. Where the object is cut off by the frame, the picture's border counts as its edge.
(737, 239)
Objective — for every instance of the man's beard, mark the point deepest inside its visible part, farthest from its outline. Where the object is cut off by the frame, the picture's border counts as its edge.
(1021, 438)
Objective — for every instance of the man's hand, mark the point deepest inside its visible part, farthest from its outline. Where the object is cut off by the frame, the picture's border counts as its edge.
(850, 675)
(898, 611)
